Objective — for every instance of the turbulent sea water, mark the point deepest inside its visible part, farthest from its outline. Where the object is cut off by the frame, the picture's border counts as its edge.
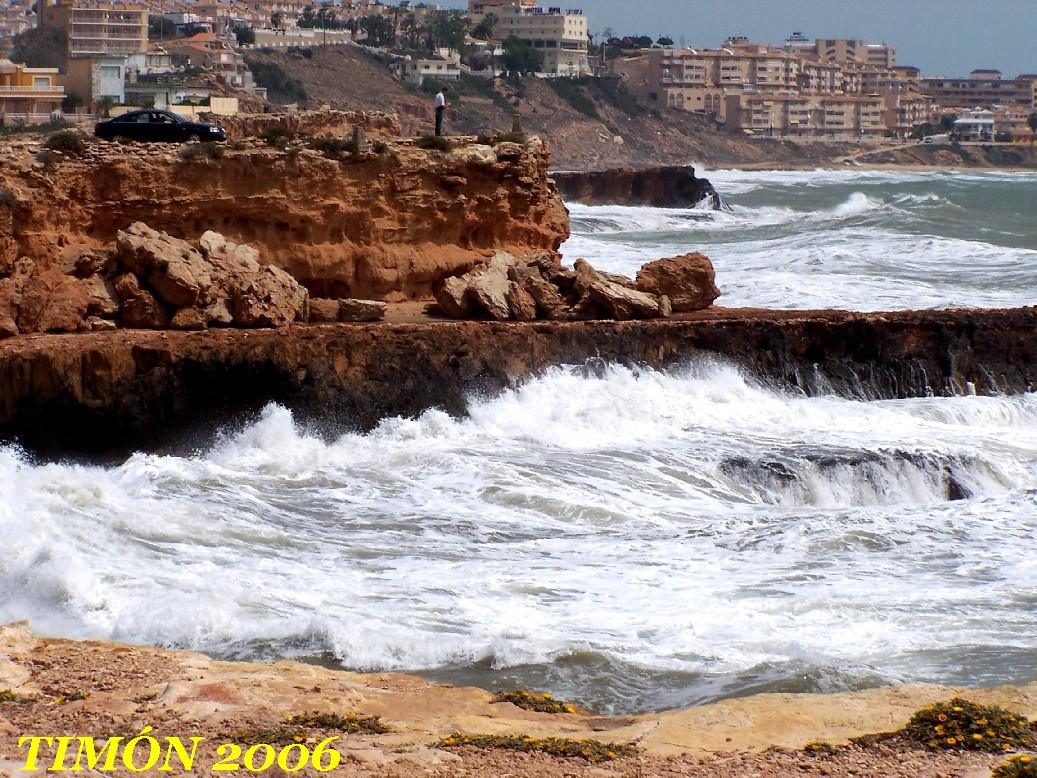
(628, 539)
(853, 239)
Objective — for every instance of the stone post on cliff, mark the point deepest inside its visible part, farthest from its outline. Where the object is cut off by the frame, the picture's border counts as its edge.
(359, 140)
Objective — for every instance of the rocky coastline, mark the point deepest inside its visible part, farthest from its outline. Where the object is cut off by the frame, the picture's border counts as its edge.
(674, 186)
(403, 725)
(109, 393)
(402, 227)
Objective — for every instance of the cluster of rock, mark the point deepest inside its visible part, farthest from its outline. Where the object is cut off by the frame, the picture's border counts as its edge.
(537, 287)
(311, 124)
(151, 280)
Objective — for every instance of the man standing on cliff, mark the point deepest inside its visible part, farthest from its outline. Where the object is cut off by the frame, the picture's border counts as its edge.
(441, 106)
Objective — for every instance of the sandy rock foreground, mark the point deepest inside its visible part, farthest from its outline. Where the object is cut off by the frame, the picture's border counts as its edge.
(102, 689)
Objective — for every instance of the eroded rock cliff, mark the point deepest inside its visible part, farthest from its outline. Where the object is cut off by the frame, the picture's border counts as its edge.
(116, 392)
(314, 124)
(659, 187)
(387, 224)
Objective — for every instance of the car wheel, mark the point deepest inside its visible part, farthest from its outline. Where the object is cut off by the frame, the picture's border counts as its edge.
(118, 139)
(194, 138)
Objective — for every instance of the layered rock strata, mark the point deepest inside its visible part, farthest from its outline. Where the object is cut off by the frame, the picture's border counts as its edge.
(659, 187)
(111, 393)
(311, 124)
(373, 225)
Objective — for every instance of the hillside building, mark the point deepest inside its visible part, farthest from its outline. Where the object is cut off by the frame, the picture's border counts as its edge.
(559, 35)
(29, 95)
(98, 29)
(838, 88)
(982, 88)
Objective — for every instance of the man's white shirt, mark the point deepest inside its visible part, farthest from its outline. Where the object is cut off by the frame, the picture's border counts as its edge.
(440, 101)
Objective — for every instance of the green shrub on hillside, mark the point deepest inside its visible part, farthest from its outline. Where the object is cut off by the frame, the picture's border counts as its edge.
(435, 143)
(272, 76)
(591, 750)
(201, 151)
(67, 142)
(571, 90)
(276, 135)
(351, 723)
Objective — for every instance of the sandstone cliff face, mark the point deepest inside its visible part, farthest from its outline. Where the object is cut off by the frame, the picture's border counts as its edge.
(379, 225)
(660, 187)
(105, 392)
(311, 124)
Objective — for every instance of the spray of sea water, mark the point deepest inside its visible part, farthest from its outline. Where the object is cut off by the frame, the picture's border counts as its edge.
(630, 539)
(633, 539)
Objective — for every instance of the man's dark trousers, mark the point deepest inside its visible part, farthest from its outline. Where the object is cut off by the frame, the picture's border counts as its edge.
(439, 120)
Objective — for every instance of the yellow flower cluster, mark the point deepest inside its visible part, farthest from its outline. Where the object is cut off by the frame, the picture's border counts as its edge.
(1018, 766)
(962, 724)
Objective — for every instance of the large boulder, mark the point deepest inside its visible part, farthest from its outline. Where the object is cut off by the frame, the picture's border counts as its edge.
(488, 288)
(269, 298)
(689, 281)
(550, 304)
(361, 310)
(481, 293)
(178, 273)
(50, 301)
(599, 293)
(323, 310)
(138, 307)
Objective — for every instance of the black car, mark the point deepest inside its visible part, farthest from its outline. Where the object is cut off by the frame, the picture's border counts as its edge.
(157, 126)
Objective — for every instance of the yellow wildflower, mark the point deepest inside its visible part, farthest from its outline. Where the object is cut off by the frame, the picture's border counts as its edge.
(977, 736)
(956, 709)
(942, 717)
(547, 695)
(938, 729)
(951, 741)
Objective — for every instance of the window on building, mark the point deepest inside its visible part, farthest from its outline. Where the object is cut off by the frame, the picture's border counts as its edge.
(111, 71)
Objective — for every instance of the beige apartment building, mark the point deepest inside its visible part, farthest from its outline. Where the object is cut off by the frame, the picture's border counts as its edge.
(842, 51)
(702, 79)
(981, 89)
(838, 88)
(477, 9)
(98, 29)
(560, 36)
(808, 115)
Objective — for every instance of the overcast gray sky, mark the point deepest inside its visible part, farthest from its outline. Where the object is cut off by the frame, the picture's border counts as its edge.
(943, 37)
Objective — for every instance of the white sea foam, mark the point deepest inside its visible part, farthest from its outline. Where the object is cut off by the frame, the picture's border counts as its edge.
(847, 239)
(692, 521)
